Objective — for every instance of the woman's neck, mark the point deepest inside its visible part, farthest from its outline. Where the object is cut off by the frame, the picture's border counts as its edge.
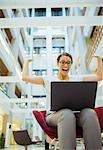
(61, 77)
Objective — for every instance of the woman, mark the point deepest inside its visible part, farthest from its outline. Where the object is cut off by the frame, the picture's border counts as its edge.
(66, 119)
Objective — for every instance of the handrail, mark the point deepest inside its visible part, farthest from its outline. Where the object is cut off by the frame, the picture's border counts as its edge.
(95, 40)
(4, 92)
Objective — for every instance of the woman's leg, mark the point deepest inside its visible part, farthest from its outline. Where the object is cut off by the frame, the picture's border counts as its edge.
(66, 124)
(91, 129)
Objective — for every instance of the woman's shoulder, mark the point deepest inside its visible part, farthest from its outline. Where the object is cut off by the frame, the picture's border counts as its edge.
(48, 79)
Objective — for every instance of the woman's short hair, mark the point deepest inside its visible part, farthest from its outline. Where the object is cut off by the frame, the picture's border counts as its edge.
(64, 54)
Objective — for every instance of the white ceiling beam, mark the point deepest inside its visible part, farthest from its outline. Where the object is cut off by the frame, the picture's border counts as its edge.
(51, 21)
(13, 4)
(10, 79)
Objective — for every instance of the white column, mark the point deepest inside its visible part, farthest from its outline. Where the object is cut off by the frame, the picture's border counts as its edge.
(66, 34)
(8, 130)
(49, 46)
(11, 89)
(48, 11)
(23, 125)
(49, 51)
(69, 39)
(63, 11)
(15, 45)
(33, 12)
(66, 39)
(71, 11)
(29, 87)
(82, 49)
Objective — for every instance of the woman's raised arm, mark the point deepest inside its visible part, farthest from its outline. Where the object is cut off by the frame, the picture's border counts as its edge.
(99, 71)
(26, 77)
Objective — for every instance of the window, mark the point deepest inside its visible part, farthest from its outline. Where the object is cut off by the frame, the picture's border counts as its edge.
(100, 11)
(41, 72)
(39, 50)
(29, 31)
(23, 105)
(15, 12)
(57, 49)
(39, 42)
(56, 11)
(55, 72)
(30, 12)
(58, 44)
(39, 45)
(67, 11)
(40, 12)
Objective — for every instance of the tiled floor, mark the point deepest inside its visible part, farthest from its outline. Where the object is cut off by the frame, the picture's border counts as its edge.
(32, 147)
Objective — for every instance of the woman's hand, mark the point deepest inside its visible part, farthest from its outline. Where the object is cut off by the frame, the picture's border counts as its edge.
(99, 70)
(29, 60)
(25, 72)
(98, 57)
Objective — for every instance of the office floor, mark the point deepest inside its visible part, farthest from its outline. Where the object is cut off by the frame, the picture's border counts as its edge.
(33, 147)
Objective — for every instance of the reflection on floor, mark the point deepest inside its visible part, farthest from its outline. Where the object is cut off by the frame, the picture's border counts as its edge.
(32, 147)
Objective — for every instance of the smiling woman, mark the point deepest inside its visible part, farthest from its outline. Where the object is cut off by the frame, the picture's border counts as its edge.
(64, 62)
(66, 119)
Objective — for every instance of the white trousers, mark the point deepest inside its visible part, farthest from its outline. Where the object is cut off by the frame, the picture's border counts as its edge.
(66, 121)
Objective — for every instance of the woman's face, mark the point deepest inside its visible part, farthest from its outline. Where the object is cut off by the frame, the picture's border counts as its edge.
(64, 65)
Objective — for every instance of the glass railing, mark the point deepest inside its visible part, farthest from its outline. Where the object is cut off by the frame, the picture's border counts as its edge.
(4, 91)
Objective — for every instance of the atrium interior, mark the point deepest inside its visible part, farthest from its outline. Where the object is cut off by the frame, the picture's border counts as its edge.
(40, 30)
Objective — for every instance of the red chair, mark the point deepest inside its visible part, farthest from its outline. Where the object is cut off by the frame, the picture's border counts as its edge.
(52, 131)
(41, 119)
(99, 112)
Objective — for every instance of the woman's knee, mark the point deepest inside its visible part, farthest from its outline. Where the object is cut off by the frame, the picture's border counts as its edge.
(88, 114)
(67, 114)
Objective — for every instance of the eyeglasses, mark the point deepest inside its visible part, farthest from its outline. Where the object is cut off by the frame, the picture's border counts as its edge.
(65, 62)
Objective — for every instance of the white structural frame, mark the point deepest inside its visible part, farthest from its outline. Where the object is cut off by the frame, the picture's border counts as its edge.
(5, 4)
(51, 21)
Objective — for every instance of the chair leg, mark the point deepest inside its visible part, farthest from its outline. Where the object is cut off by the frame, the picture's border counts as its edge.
(25, 147)
(57, 145)
(46, 145)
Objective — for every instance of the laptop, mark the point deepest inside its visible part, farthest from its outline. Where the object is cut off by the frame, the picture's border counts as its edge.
(74, 95)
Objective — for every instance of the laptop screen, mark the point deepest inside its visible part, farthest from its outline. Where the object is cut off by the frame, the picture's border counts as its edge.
(74, 95)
